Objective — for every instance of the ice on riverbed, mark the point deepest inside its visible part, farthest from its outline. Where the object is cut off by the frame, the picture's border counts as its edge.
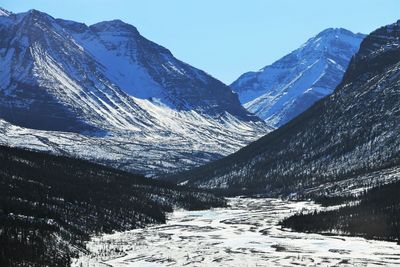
(245, 234)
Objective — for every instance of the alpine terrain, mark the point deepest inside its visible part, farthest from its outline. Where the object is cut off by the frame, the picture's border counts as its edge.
(105, 93)
(279, 92)
(346, 141)
(50, 205)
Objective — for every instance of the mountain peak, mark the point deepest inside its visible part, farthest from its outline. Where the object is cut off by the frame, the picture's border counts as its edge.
(36, 13)
(281, 91)
(114, 25)
(343, 140)
(62, 76)
(330, 31)
(332, 37)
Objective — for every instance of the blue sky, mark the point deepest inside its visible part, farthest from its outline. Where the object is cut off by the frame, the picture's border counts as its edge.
(225, 37)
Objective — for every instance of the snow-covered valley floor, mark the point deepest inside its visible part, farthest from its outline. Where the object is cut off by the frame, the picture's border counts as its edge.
(245, 234)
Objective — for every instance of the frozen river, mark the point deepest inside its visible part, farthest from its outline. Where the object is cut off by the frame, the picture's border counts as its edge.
(245, 234)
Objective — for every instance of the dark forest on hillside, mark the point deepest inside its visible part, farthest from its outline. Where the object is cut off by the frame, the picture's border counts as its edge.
(376, 216)
(49, 205)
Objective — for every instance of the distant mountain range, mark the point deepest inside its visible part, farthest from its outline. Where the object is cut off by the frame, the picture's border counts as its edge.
(346, 141)
(281, 91)
(65, 85)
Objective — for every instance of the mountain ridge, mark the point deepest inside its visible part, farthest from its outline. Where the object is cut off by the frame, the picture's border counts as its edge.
(349, 134)
(279, 92)
(106, 80)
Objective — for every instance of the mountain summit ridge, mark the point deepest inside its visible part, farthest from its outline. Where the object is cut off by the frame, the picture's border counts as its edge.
(279, 92)
(346, 141)
(106, 80)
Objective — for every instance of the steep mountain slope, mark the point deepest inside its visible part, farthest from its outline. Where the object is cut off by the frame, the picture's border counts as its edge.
(149, 153)
(107, 80)
(347, 135)
(281, 91)
(49, 205)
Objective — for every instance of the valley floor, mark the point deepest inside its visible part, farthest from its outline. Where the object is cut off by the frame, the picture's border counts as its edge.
(244, 234)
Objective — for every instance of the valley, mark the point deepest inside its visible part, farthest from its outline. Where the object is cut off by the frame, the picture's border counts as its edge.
(244, 234)
(113, 152)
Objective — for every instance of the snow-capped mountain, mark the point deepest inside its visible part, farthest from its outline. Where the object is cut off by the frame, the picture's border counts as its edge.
(281, 91)
(81, 87)
(348, 140)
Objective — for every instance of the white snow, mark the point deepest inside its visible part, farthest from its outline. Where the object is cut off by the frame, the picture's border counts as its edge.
(120, 64)
(99, 79)
(245, 234)
(4, 12)
(174, 141)
(286, 88)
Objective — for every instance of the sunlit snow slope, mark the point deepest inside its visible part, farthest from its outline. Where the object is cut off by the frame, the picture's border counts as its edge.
(281, 91)
(105, 93)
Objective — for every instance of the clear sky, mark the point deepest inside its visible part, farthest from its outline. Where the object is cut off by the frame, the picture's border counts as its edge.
(225, 37)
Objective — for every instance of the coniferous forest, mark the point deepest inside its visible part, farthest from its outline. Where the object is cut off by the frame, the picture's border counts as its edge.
(49, 205)
(375, 214)
(103, 131)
